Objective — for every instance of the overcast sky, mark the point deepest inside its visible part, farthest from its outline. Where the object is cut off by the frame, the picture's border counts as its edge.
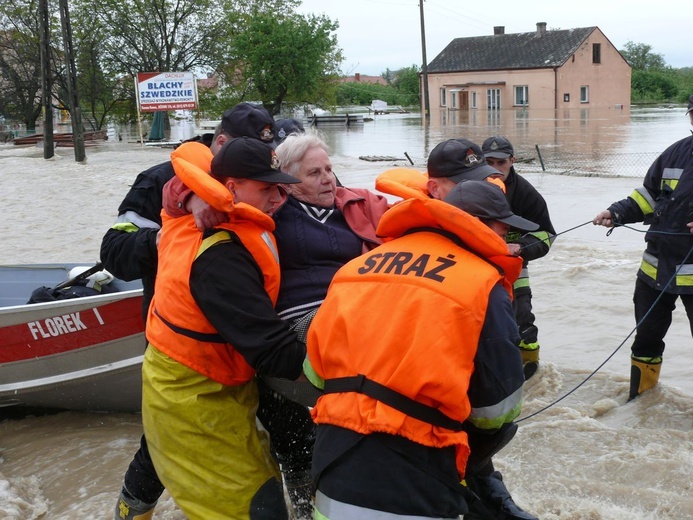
(380, 34)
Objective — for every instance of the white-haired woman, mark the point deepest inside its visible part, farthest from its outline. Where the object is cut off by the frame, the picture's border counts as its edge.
(320, 227)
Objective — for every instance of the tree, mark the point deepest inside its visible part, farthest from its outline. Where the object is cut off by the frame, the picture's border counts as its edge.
(640, 57)
(102, 92)
(260, 50)
(119, 39)
(20, 62)
(363, 93)
(408, 85)
(157, 35)
(291, 59)
(653, 85)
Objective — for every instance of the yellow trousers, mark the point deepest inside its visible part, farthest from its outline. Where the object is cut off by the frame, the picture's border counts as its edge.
(203, 440)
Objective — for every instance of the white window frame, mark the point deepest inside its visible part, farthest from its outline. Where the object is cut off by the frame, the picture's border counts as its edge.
(521, 98)
(493, 99)
(443, 97)
(584, 94)
(455, 98)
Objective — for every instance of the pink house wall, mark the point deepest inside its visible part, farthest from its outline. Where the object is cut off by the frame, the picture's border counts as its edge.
(608, 82)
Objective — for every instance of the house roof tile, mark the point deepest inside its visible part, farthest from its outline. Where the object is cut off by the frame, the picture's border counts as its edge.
(529, 50)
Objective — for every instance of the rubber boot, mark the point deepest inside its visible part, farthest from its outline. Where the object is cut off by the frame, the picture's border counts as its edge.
(130, 508)
(530, 358)
(644, 374)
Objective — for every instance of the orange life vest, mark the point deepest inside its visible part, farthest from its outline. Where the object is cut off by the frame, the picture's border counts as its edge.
(406, 183)
(175, 324)
(409, 183)
(371, 321)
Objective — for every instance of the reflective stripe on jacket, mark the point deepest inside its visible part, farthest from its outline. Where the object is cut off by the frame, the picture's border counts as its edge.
(526, 202)
(664, 203)
(175, 325)
(436, 260)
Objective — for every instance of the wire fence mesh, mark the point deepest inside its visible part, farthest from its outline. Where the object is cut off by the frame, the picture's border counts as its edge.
(591, 165)
(559, 162)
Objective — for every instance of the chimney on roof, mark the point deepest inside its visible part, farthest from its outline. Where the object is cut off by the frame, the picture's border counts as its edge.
(541, 28)
(499, 29)
(357, 76)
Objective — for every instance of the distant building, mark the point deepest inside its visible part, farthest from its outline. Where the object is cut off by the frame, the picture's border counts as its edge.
(361, 78)
(544, 69)
(210, 83)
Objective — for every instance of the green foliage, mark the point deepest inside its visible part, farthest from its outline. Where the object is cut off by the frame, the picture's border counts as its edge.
(20, 59)
(654, 85)
(358, 93)
(684, 80)
(114, 40)
(123, 109)
(403, 89)
(640, 57)
(407, 82)
(652, 79)
(156, 35)
(100, 92)
(213, 104)
(388, 76)
(291, 59)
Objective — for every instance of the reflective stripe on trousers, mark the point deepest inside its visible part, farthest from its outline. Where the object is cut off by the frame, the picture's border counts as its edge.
(327, 508)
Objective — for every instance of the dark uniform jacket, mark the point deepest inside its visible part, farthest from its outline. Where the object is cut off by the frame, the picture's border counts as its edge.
(665, 202)
(128, 249)
(527, 202)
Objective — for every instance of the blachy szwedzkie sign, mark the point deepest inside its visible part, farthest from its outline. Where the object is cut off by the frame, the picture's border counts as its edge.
(160, 91)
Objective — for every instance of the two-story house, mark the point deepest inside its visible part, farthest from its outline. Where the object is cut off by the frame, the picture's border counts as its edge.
(544, 69)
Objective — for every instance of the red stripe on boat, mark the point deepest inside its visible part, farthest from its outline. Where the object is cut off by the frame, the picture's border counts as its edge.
(71, 331)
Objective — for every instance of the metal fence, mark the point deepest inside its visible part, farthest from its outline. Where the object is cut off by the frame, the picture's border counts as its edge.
(589, 164)
(560, 162)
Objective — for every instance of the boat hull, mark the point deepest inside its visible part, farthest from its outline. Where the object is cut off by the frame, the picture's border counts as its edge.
(77, 354)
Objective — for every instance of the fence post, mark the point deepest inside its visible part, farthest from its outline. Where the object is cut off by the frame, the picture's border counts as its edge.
(540, 159)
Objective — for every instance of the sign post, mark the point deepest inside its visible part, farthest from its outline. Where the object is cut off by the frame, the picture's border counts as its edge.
(163, 91)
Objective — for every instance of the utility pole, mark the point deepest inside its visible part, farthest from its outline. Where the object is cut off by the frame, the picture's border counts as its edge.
(46, 80)
(75, 111)
(424, 68)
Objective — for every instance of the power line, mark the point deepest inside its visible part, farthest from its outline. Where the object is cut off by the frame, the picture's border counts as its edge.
(444, 10)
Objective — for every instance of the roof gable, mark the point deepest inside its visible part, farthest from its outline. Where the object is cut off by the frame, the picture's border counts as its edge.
(529, 50)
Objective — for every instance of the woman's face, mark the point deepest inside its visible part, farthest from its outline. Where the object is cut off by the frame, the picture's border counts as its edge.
(318, 184)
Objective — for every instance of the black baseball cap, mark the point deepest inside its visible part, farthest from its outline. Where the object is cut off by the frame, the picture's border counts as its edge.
(690, 104)
(459, 160)
(248, 158)
(486, 200)
(246, 119)
(497, 147)
(286, 127)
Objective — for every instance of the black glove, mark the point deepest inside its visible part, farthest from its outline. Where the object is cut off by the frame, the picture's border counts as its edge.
(494, 500)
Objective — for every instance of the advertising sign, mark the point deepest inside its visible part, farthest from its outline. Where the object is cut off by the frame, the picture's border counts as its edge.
(158, 91)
